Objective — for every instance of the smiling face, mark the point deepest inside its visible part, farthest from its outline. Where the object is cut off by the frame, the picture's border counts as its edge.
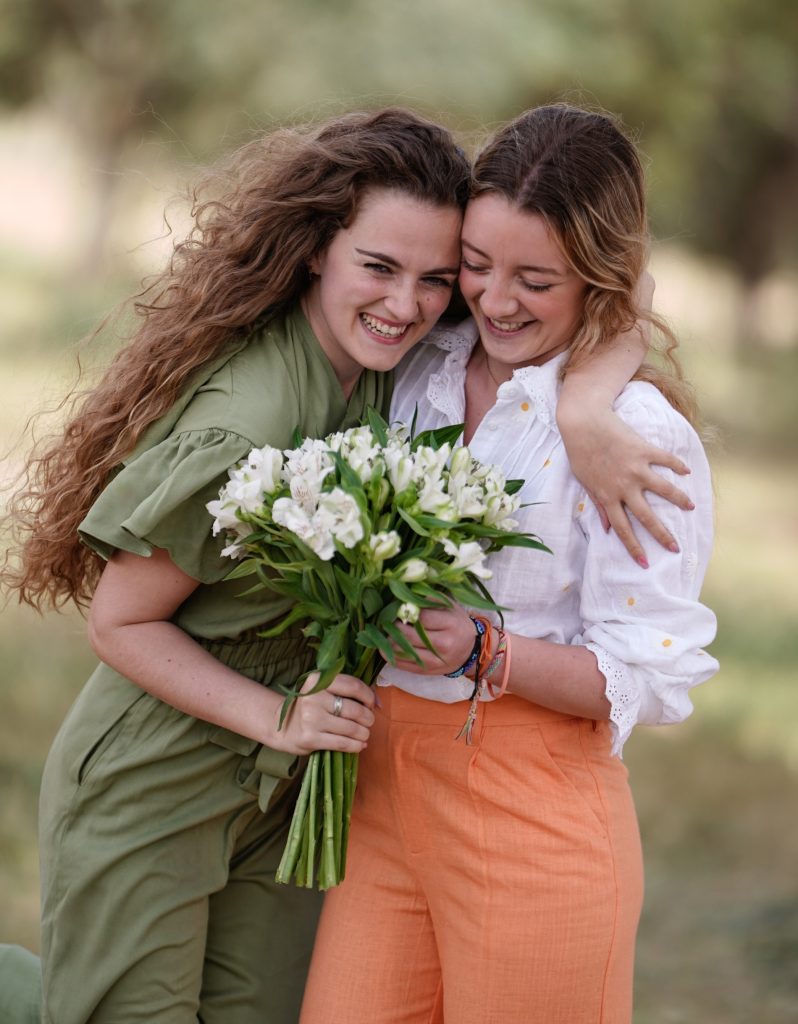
(527, 301)
(383, 282)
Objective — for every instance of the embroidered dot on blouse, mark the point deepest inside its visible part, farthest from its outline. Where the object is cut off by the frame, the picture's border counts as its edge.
(580, 507)
(630, 601)
(547, 463)
(667, 643)
(525, 406)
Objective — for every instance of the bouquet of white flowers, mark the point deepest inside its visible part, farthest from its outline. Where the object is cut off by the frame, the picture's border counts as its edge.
(361, 529)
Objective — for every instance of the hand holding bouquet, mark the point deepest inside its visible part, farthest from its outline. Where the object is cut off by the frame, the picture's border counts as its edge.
(360, 530)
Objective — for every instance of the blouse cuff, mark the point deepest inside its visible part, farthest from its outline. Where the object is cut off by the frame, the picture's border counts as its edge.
(622, 692)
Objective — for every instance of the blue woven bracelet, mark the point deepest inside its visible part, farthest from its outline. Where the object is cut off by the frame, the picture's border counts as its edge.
(475, 651)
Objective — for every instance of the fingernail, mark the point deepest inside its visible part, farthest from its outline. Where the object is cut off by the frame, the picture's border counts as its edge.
(642, 560)
(674, 547)
(690, 506)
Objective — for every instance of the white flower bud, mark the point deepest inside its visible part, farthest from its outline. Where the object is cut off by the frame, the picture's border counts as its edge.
(413, 570)
(408, 612)
(384, 545)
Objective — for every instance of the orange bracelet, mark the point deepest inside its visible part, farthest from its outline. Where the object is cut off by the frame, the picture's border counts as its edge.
(506, 673)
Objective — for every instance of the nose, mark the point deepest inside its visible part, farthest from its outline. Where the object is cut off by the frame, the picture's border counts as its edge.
(402, 302)
(496, 300)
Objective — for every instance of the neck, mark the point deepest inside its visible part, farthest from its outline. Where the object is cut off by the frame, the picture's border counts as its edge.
(498, 373)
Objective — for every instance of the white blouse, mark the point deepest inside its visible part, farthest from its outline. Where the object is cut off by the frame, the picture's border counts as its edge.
(646, 627)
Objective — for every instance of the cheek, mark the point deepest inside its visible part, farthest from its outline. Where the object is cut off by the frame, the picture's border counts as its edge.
(435, 304)
(469, 283)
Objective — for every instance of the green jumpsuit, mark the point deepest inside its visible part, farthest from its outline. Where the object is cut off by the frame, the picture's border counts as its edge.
(160, 833)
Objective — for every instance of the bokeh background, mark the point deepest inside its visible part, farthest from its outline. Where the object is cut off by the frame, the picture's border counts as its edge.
(108, 106)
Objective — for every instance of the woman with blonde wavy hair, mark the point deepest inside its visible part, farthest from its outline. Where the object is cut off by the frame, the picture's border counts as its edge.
(500, 879)
(318, 258)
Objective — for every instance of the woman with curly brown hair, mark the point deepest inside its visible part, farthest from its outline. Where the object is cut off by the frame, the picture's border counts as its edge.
(500, 880)
(318, 259)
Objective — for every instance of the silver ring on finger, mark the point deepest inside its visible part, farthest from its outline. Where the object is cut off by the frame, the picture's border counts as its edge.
(338, 706)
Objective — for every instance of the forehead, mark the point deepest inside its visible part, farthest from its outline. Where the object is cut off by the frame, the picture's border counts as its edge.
(500, 229)
(405, 219)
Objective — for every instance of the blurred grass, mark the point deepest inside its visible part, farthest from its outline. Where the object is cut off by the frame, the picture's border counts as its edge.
(716, 795)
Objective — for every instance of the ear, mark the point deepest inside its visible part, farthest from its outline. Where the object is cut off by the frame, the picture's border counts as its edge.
(314, 265)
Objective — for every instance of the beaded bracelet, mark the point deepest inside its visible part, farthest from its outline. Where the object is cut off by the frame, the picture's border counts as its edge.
(480, 625)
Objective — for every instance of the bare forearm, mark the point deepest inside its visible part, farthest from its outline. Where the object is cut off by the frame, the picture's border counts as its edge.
(596, 384)
(168, 664)
(558, 676)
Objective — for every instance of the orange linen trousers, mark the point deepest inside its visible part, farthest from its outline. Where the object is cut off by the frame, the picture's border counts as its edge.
(496, 883)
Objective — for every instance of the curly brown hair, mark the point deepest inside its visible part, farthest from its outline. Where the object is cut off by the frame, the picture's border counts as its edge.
(258, 220)
(579, 171)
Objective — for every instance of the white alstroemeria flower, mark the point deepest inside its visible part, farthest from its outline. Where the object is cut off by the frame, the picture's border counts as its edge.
(494, 481)
(468, 499)
(224, 512)
(385, 544)
(322, 543)
(400, 468)
(347, 527)
(429, 463)
(413, 570)
(468, 556)
(305, 470)
(408, 612)
(266, 465)
(461, 462)
(433, 498)
(290, 514)
(499, 509)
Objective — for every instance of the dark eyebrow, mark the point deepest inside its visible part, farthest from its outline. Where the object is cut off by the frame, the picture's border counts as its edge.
(395, 263)
(534, 270)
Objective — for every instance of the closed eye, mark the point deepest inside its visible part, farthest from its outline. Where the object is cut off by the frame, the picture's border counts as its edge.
(439, 282)
(473, 267)
(535, 287)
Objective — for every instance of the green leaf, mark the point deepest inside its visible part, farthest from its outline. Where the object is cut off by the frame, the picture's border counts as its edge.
(246, 568)
(372, 602)
(372, 637)
(402, 642)
(330, 647)
(295, 615)
(467, 595)
(424, 638)
(378, 425)
(313, 630)
(297, 438)
(406, 593)
(413, 523)
(350, 585)
(437, 438)
(513, 486)
(350, 481)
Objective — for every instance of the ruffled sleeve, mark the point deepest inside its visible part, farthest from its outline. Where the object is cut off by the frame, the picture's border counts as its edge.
(158, 498)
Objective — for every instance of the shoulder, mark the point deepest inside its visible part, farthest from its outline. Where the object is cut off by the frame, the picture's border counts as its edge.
(255, 393)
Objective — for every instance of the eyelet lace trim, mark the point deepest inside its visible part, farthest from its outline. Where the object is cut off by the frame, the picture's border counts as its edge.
(622, 694)
(445, 388)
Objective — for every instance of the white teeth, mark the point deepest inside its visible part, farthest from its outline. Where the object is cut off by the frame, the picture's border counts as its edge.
(380, 328)
(506, 325)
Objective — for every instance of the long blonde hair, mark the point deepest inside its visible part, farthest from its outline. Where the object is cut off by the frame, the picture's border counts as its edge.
(578, 170)
(258, 219)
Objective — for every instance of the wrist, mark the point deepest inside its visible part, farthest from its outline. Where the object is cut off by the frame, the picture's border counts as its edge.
(469, 665)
